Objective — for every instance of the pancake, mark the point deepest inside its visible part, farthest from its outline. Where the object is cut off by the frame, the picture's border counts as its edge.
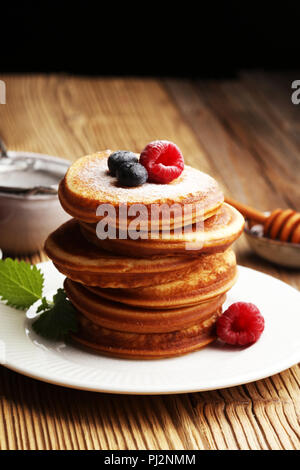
(121, 317)
(214, 275)
(145, 346)
(88, 184)
(83, 262)
(217, 234)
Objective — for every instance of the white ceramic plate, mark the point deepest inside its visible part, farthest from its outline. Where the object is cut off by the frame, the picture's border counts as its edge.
(216, 366)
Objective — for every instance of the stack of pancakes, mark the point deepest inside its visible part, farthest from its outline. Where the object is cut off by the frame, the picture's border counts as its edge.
(158, 295)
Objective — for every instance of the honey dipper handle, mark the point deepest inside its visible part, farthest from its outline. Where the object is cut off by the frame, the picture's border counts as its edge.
(247, 211)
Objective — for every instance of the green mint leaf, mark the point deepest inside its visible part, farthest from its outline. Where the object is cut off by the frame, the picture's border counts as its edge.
(57, 319)
(44, 305)
(20, 283)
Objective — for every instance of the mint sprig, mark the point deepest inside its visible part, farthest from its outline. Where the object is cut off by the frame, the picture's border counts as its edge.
(21, 285)
(58, 318)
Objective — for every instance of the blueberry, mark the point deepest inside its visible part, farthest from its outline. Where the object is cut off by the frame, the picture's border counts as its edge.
(131, 174)
(117, 158)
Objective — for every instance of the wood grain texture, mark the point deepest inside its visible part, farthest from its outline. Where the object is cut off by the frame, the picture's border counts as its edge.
(244, 132)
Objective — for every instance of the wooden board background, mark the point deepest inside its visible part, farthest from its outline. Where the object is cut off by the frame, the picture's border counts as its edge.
(244, 132)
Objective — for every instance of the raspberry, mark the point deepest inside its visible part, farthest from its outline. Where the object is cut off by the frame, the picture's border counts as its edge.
(241, 324)
(163, 160)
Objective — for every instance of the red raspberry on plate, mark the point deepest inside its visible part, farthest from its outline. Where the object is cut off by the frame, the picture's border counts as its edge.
(241, 324)
(163, 160)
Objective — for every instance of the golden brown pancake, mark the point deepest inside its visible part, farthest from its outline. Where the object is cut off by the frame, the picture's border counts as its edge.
(145, 346)
(83, 262)
(213, 276)
(216, 234)
(121, 317)
(87, 184)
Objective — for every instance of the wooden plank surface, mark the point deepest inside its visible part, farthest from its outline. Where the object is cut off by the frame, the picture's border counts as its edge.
(245, 133)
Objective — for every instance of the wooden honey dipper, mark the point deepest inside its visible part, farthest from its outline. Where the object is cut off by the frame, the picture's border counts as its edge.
(281, 224)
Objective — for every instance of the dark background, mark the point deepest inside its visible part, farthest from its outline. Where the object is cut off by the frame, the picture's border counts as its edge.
(149, 38)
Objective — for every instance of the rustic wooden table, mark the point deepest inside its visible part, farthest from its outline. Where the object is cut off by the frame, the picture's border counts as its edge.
(246, 133)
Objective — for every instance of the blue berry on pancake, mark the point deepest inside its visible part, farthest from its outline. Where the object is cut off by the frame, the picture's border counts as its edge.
(118, 158)
(131, 174)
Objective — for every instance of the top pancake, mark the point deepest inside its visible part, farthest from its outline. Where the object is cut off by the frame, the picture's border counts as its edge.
(87, 184)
